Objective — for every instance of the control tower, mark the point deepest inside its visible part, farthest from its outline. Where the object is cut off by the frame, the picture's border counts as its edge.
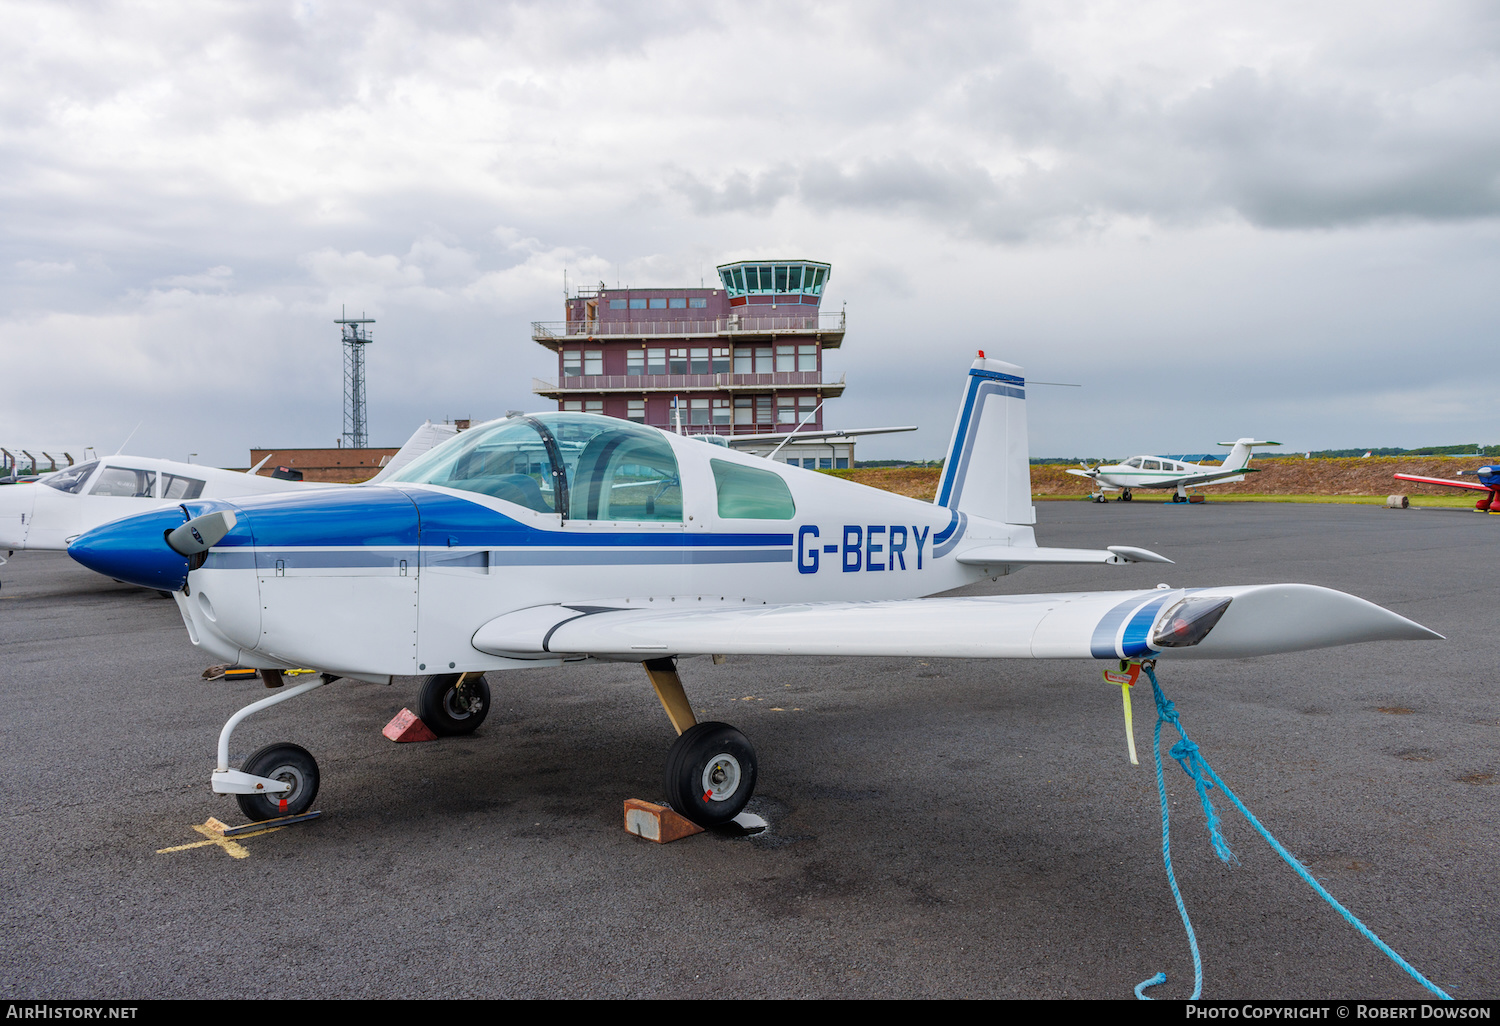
(742, 359)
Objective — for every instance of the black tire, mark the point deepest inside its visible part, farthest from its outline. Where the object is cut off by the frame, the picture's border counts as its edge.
(711, 772)
(291, 763)
(449, 710)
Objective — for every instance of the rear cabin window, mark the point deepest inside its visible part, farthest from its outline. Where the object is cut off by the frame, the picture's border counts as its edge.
(175, 487)
(746, 493)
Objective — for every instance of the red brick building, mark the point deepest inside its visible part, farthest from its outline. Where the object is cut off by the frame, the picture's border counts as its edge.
(742, 359)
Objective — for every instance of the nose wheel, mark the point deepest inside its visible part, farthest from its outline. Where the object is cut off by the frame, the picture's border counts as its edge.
(711, 773)
(286, 764)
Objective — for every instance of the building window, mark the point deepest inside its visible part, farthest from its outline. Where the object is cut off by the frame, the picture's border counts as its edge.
(805, 405)
(656, 361)
(700, 361)
(721, 411)
(807, 358)
(744, 360)
(825, 462)
(573, 406)
(677, 303)
(699, 411)
(698, 302)
(593, 361)
(794, 278)
(721, 360)
(841, 463)
(637, 304)
(572, 363)
(763, 409)
(635, 361)
(659, 304)
(677, 361)
(763, 363)
(786, 358)
(744, 410)
(617, 304)
(594, 406)
(786, 409)
(635, 409)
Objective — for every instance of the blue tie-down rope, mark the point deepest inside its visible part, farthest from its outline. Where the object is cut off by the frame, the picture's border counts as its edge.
(1204, 779)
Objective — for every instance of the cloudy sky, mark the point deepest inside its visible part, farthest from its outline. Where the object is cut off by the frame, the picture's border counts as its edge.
(1279, 219)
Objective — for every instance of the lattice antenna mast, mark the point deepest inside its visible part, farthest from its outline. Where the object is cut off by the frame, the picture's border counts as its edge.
(355, 337)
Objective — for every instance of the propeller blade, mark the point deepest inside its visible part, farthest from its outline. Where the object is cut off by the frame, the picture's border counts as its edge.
(201, 533)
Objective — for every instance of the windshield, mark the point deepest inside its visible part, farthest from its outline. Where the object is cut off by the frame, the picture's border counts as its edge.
(584, 467)
(73, 479)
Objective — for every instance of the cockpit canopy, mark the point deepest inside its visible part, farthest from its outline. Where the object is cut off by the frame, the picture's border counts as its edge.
(583, 467)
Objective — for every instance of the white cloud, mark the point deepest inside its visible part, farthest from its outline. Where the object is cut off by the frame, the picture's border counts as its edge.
(1102, 189)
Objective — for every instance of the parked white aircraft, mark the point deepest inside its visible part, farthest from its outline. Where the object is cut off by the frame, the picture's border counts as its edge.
(1165, 472)
(54, 510)
(541, 540)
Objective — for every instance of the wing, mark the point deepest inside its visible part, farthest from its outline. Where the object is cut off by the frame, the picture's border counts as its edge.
(1197, 479)
(1252, 620)
(1476, 486)
(749, 441)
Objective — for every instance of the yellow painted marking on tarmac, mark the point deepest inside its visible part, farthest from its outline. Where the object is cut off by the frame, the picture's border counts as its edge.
(214, 831)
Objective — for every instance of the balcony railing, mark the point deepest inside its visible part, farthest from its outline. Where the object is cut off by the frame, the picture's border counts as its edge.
(684, 382)
(546, 331)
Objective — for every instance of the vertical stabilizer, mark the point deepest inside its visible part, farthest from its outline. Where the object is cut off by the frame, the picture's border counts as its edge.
(988, 469)
(1239, 454)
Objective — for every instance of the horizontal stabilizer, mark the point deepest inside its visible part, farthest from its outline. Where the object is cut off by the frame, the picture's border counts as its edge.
(1250, 620)
(1024, 555)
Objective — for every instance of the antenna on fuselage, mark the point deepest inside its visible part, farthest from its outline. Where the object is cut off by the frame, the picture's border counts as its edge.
(127, 439)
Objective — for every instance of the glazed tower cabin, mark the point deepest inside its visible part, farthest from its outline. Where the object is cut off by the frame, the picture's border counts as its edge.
(742, 359)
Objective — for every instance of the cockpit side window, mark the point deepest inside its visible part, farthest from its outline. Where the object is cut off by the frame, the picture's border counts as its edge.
(622, 476)
(1151, 465)
(126, 482)
(746, 493)
(73, 479)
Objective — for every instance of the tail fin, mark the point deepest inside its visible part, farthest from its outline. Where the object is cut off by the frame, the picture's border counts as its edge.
(1239, 456)
(988, 469)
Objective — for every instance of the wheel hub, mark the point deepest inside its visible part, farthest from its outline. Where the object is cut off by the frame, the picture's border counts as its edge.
(721, 778)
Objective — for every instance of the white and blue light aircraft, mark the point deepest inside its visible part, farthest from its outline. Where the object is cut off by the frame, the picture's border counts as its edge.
(53, 511)
(541, 540)
(1168, 472)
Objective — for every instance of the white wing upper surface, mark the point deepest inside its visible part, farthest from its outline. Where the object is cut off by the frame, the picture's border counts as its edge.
(1260, 619)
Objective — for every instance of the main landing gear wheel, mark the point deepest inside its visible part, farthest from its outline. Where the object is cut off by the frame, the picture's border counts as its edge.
(711, 773)
(450, 708)
(290, 764)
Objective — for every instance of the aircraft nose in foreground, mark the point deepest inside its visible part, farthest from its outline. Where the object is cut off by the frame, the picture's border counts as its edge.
(135, 550)
(16, 503)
